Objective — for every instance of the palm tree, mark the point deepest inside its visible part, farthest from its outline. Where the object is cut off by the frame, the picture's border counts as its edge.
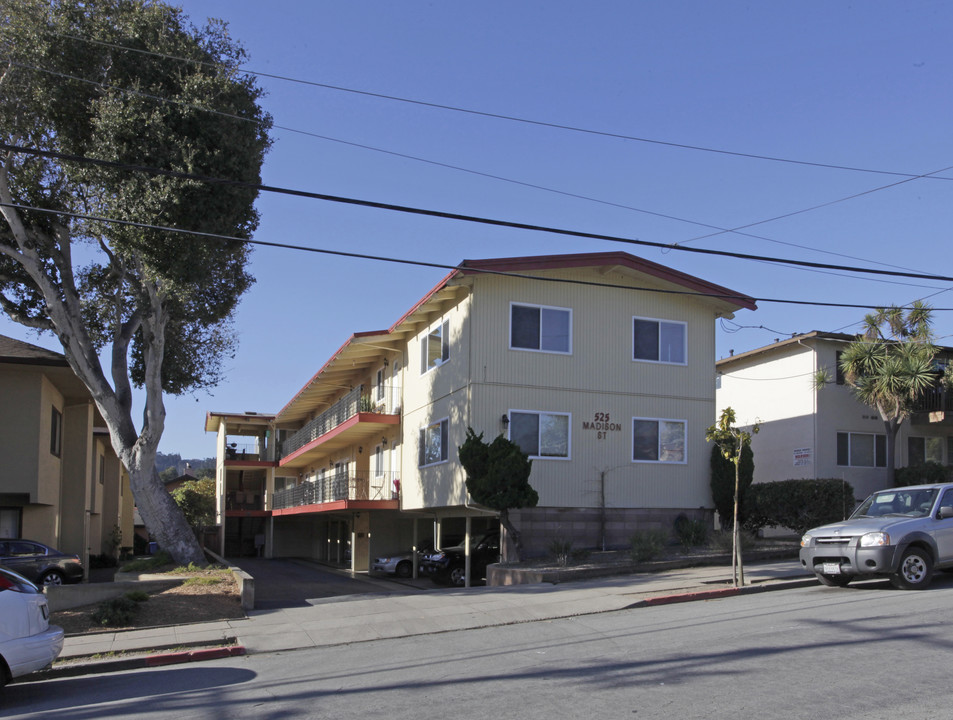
(890, 365)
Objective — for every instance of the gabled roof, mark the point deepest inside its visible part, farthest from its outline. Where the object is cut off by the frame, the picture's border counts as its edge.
(363, 350)
(17, 351)
(611, 260)
(54, 365)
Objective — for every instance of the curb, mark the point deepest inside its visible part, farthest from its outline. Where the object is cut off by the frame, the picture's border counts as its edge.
(135, 663)
(722, 593)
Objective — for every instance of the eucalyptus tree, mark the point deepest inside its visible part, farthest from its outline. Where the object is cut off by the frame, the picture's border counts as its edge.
(113, 116)
(889, 367)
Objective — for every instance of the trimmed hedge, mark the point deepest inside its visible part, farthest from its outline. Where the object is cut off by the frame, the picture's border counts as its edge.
(928, 472)
(798, 505)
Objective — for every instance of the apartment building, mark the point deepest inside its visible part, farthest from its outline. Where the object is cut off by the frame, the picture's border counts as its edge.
(60, 482)
(600, 365)
(810, 432)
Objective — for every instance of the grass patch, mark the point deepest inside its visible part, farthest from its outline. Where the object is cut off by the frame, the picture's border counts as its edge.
(159, 560)
(202, 581)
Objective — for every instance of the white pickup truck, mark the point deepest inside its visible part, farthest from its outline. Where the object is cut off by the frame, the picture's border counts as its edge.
(902, 533)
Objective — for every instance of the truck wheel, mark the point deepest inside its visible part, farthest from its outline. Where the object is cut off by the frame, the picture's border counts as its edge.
(915, 570)
(834, 580)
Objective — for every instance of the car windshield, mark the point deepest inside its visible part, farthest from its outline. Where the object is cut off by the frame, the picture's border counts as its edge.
(910, 503)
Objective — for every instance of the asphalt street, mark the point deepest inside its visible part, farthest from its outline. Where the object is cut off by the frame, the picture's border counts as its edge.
(867, 652)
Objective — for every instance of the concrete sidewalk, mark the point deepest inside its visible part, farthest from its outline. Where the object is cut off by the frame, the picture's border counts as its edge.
(406, 612)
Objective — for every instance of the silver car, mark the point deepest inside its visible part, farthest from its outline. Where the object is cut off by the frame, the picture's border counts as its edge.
(27, 640)
(902, 533)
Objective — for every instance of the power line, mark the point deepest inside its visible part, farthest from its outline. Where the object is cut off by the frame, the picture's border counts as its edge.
(513, 118)
(460, 217)
(720, 231)
(443, 266)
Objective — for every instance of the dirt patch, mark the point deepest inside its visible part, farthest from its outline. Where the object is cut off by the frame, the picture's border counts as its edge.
(204, 596)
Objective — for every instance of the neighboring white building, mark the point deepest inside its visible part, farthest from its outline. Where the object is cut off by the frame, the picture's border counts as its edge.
(824, 432)
(600, 365)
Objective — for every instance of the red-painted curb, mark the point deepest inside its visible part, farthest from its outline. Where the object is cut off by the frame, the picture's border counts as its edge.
(692, 596)
(194, 656)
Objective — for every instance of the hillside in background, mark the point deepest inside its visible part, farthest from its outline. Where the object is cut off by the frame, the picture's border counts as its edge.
(165, 461)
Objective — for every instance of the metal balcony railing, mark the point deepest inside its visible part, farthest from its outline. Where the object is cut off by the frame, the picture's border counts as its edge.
(935, 399)
(360, 399)
(336, 488)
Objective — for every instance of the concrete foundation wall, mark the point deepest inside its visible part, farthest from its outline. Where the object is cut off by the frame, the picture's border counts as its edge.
(583, 526)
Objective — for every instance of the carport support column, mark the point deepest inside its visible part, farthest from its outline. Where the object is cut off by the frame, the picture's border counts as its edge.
(466, 564)
(270, 538)
(414, 558)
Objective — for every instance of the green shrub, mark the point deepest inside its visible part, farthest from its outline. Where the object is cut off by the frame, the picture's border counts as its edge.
(137, 596)
(722, 540)
(647, 545)
(102, 561)
(798, 505)
(928, 472)
(722, 484)
(115, 612)
(690, 533)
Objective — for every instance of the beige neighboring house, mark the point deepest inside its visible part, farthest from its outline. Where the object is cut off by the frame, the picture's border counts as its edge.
(606, 379)
(60, 481)
(825, 432)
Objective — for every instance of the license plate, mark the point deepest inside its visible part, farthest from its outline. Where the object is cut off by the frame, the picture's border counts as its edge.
(831, 569)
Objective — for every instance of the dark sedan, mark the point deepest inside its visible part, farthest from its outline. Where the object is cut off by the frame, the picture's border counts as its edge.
(448, 565)
(40, 563)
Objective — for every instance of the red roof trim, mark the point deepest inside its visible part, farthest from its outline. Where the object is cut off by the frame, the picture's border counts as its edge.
(562, 262)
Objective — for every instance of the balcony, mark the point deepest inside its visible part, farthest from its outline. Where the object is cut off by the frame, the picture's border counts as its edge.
(337, 488)
(359, 402)
(935, 406)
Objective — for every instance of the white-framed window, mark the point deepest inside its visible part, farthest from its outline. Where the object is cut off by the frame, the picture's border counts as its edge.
(379, 461)
(541, 434)
(435, 347)
(379, 385)
(540, 328)
(658, 440)
(924, 449)
(434, 443)
(661, 341)
(861, 449)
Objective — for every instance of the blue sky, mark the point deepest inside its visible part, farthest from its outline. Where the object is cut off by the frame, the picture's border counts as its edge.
(861, 85)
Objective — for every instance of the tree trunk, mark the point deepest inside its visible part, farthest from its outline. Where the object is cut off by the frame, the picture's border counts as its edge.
(737, 568)
(162, 516)
(892, 428)
(513, 534)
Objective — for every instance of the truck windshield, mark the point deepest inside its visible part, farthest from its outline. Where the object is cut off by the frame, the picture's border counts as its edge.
(911, 503)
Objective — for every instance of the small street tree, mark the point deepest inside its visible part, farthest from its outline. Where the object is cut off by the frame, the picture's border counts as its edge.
(889, 367)
(498, 478)
(96, 94)
(196, 500)
(732, 441)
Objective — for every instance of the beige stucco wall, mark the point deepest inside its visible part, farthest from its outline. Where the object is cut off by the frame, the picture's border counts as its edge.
(24, 425)
(776, 388)
(485, 378)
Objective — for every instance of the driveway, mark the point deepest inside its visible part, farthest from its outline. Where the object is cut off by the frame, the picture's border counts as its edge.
(284, 583)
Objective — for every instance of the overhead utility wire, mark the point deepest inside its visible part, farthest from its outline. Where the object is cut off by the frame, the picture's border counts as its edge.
(443, 266)
(721, 230)
(822, 205)
(456, 216)
(510, 118)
